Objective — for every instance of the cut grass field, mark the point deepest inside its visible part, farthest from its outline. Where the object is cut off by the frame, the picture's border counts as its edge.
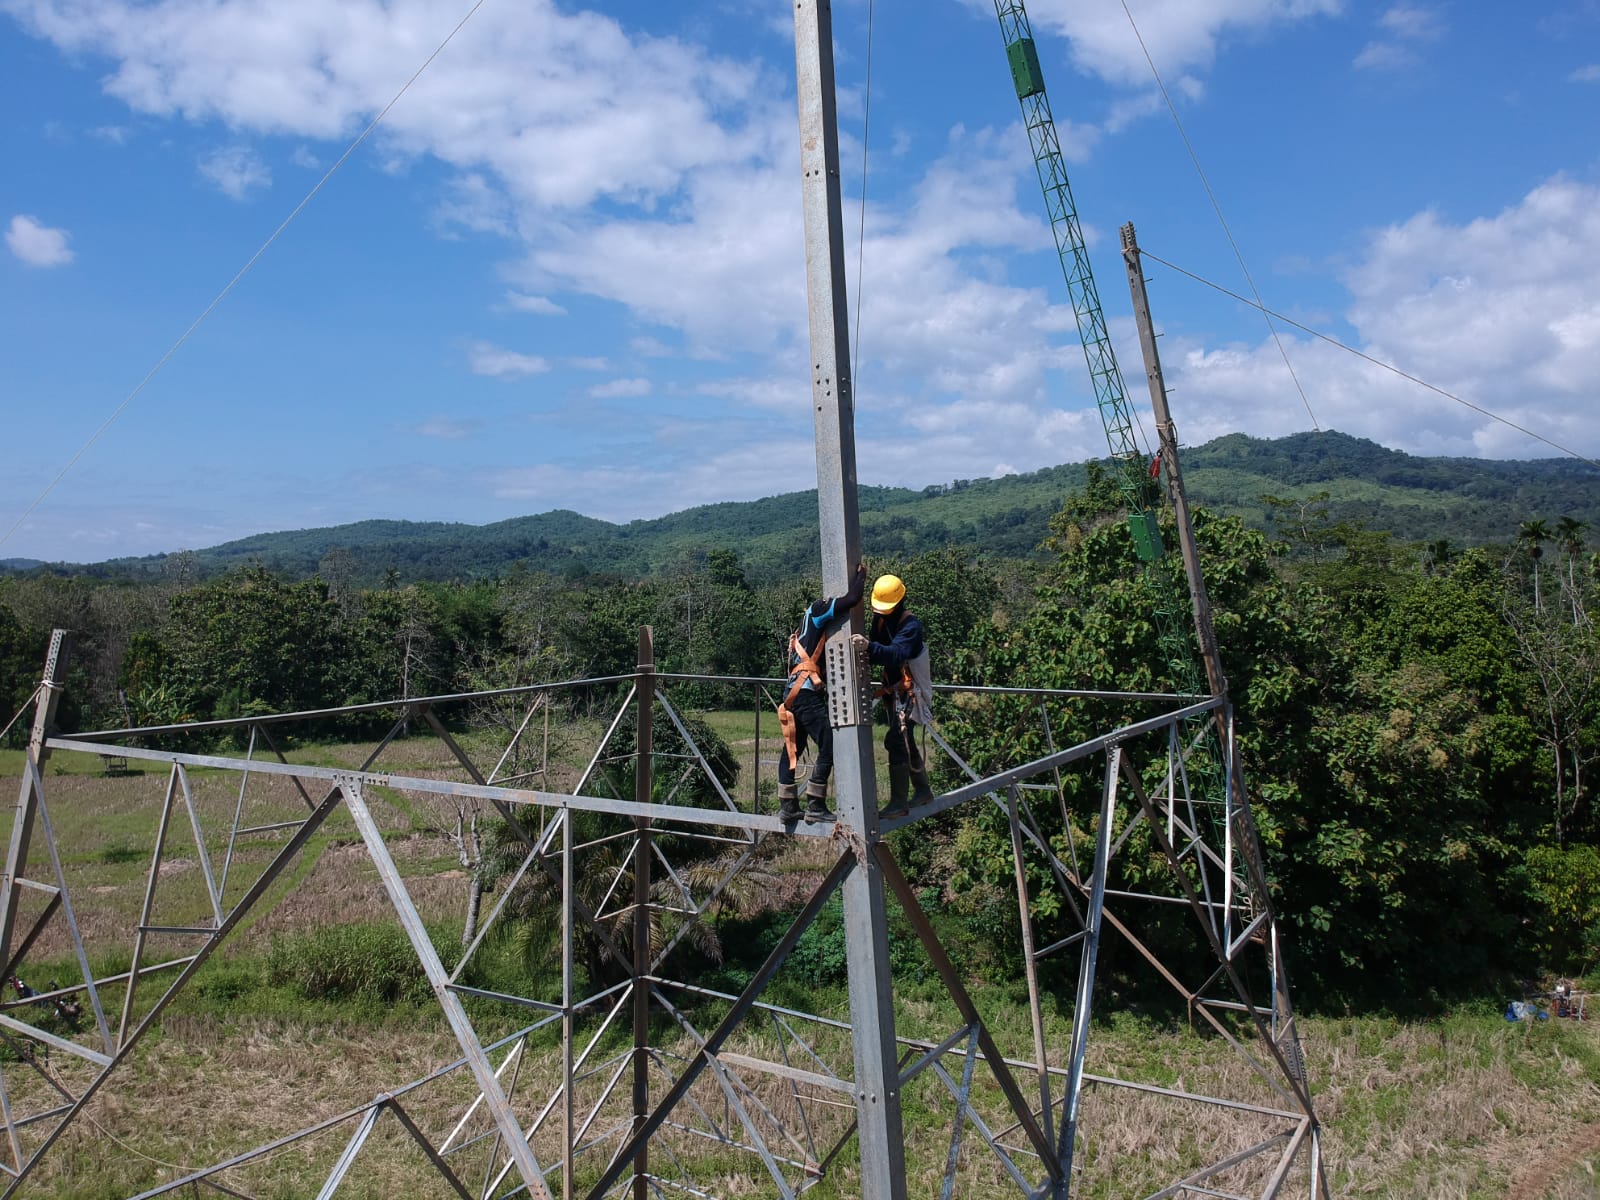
(1463, 1107)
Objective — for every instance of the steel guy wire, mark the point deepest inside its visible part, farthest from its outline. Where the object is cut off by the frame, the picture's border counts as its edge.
(1377, 362)
(242, 272)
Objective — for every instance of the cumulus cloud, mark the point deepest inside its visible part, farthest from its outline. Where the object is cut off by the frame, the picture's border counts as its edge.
(1181, 35)
(620, 388)
(36, 243)
(447, 428)
(563, 108)
(476, 204)
(485, 358)
(1502, 311)
(1385, 56)
(539, 305)
(235, 171)
(1412, 23)
(1401, 30)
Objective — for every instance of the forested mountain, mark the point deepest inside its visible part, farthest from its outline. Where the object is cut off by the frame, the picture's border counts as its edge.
(1333, 477)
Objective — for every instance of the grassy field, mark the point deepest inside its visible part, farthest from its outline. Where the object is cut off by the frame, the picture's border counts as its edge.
(1464, 1106)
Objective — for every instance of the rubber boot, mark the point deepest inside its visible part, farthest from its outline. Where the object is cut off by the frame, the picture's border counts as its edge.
(788, 802)
(816, 802)
(921, 792)
(899, 788)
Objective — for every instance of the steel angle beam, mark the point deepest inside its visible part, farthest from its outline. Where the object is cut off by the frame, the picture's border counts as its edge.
(730, 1021)
(477, 1060)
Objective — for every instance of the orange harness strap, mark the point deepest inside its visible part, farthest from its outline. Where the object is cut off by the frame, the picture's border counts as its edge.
(890, 689)
(805, 669)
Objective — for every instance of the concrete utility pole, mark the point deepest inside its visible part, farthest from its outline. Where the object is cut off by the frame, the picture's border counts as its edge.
(877, 1076)
(1168, 435)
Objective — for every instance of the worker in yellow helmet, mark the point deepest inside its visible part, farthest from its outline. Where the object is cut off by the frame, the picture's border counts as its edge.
(895, 642)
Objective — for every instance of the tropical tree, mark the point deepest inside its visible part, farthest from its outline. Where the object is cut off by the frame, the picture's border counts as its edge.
(1561, 662)
(1437, 554)
(1569, 536)
(1533, 535)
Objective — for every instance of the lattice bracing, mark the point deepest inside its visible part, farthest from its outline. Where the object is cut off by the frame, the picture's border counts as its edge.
(620, 1069)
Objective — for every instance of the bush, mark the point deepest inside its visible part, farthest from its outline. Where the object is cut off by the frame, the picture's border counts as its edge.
(1566, 882)
(351, 962)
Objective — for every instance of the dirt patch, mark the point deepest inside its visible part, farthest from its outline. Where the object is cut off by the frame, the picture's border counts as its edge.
(1536, 1181)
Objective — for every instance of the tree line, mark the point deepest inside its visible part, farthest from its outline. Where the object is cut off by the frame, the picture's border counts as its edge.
(1421, 723)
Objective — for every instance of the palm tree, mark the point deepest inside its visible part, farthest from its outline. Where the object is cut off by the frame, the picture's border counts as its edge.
(1534, 534)
(1437, 554)
(718, 882)
(1569, 535)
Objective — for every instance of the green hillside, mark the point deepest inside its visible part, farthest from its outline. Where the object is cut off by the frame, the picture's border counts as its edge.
(1467, 500)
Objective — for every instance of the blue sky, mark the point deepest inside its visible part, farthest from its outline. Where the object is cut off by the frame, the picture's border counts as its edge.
(566, 270)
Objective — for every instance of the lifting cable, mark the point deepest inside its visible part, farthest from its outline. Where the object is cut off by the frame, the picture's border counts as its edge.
(1377, 362)
(243, 271)
(1217, 207)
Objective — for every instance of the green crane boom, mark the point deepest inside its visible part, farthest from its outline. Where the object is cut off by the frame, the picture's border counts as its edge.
(1139, 488)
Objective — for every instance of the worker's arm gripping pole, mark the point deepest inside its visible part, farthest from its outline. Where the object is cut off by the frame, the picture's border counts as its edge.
(877, 1091)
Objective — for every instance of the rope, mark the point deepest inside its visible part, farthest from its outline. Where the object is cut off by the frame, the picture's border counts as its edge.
(1217, 208)
(1333, 341)
(861, 236)
(232, 283)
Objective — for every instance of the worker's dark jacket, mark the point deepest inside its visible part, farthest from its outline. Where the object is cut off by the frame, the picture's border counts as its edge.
(898, 647)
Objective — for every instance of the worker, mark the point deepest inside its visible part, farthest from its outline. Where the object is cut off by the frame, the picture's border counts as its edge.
(896, 644)
(803, 713)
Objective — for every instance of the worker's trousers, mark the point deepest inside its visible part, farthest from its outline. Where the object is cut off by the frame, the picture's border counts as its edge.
(810, 709)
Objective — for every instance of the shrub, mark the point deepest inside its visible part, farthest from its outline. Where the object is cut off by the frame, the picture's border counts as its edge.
(350, 962)
(1566, 882)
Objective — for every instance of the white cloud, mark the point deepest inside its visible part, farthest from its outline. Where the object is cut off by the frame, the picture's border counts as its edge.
(539, 305)
(485, 358)
(38, 244)
(777, 393)
(1502, 311)
(1181, 35)
(305, 158)
(476, 204)
(620, 388)
(1385, 56)
(1403, 27)
(1588, 74)
(447, 428)
(1413, 23)
(117, 135)
(235, 171)
(563, 108)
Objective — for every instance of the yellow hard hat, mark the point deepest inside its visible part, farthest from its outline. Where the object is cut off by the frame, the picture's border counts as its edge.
(887, 593)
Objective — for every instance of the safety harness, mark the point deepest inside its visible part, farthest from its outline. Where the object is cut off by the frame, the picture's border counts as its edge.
(805, 667)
